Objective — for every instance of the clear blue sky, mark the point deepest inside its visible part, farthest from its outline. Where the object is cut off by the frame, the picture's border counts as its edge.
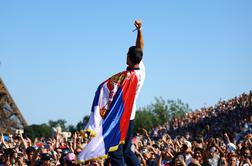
(54, 54)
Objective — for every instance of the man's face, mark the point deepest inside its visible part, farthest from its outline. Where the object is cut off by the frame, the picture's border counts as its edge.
(246, 153)
(179, 160)
(232, 161)
(212, 152)
(30, 154)
(197, 155)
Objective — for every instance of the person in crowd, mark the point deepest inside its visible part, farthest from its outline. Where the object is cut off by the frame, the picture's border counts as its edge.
(214, 136)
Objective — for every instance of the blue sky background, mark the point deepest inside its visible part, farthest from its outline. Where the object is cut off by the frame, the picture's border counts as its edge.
(54, 54)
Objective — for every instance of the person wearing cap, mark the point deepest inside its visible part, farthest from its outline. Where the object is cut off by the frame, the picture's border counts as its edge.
(215, 153)
(187, 151)
(213, 156)
(123, 155)
(231, 148)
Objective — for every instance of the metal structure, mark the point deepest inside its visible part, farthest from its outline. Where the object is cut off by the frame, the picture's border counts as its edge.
(11, 118)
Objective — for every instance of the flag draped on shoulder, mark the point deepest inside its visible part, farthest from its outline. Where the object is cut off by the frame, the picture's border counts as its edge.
(110, 115)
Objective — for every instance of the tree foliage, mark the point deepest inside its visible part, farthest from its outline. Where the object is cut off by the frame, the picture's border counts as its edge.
(38, 131)
(157, 113)
(144, 119)
(46, 130)
(160, 112)
(177, 108)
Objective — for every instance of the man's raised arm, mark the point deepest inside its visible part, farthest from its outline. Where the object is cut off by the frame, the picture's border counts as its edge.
(139, 40)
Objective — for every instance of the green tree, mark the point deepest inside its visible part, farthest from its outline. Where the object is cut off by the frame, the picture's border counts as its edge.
(177, 108)
(160, 112)
(38, 131)
(79, 126)
(144, 119)
(71, 128)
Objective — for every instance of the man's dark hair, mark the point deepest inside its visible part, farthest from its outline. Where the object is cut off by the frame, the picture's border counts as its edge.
(30, 149)
(135, 54)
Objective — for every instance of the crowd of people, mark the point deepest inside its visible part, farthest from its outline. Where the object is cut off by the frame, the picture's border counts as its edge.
(219, 135)
(216, 136)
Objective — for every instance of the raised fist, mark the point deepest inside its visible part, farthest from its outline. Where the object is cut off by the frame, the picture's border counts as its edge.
(138, 24)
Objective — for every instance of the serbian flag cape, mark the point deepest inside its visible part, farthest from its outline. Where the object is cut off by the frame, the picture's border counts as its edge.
(110, 115)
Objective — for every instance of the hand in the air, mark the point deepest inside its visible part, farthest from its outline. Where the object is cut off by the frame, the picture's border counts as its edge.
(138, 24)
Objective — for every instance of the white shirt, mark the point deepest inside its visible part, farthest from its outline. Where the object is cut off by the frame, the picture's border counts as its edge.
(140, 73)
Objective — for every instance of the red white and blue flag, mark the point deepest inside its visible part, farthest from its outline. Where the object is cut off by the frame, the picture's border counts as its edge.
(110, 115)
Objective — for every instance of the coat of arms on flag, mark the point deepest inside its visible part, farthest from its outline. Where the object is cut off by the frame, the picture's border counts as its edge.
(110, 115)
